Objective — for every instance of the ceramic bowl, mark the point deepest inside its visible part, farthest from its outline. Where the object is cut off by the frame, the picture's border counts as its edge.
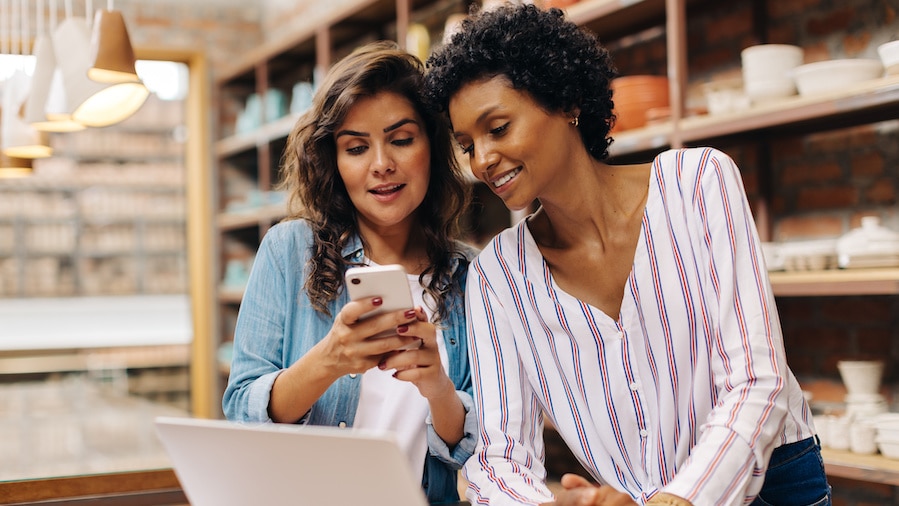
(834, 75)
(861, 376)
(634, 95)
(889, 449)
(761, 91)
(764, 62)
(889, 56)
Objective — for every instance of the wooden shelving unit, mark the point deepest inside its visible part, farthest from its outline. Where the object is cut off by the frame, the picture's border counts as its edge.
(871, 468)
(836, 282)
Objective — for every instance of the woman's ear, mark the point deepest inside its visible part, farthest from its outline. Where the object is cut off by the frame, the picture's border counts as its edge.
(573, 114)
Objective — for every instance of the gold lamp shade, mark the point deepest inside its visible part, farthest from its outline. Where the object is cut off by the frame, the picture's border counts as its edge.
(89, 102)
(14, 167)
(112, 57)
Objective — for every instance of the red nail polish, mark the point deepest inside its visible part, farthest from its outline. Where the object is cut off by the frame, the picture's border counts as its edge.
(402, 328)
(377, 301)
(409, 314)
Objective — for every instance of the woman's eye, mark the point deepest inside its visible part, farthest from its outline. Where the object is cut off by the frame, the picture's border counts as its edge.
(357, 150)
(467, 150)
(403, 142)
(500, 129)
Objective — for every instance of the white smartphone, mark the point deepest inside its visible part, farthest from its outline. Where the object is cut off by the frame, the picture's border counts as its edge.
(386, 281)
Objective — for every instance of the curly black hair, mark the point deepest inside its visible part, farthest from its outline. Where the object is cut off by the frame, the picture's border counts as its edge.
(317, 193)
(561, 65)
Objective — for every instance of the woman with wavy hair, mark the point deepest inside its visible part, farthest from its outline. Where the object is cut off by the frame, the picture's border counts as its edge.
(372, 181)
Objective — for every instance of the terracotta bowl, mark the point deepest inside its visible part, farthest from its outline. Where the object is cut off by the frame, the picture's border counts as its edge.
(634, 95)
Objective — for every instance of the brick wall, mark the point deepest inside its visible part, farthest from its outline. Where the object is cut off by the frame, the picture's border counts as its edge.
(223, 31)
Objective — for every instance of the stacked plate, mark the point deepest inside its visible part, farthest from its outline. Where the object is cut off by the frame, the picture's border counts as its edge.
(871, 245)
(768, 71)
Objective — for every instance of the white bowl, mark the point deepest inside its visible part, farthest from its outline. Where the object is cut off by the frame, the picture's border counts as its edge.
(770, 61)
(833, 75)
(760, 91)
(861, 376)
(889, 56)
(889, 449)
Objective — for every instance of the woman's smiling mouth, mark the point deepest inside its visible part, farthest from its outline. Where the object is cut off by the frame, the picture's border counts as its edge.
(508, 176)
(387, 189)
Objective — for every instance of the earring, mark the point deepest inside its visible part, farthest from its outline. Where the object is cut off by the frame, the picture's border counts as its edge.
(574, 121)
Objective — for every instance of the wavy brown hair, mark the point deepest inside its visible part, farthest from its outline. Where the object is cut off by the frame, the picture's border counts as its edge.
(316, 190)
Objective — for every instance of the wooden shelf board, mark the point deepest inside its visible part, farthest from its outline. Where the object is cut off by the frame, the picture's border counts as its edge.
(836, 282)
(870, 468)
(83, 360)
(230, 295)
(647, 138)
(257, 216)
(872, 94)
(246, 141)
(613, 19)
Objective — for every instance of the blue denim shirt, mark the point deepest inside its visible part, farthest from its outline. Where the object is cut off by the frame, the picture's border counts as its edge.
(277, 325)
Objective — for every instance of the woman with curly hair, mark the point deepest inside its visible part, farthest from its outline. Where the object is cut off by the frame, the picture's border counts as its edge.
(372, 181)
(632, 308)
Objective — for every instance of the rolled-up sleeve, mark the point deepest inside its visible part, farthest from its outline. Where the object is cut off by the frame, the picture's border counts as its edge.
(464, 449)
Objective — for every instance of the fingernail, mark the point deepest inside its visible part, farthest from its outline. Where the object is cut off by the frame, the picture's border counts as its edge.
(402, 328)
(381, 365)
(377, 301)
(409, 314)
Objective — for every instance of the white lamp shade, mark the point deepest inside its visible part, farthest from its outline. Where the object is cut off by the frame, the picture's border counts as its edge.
(113, 102)
(42, 89)
(17, 137)
(111, 105)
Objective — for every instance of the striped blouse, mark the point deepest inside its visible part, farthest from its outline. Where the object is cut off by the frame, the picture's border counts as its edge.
(687, 391)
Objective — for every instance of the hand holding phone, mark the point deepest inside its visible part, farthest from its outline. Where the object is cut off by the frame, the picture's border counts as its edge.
(386, 281)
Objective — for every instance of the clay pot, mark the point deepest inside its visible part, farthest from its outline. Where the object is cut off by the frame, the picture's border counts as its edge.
(634, 95)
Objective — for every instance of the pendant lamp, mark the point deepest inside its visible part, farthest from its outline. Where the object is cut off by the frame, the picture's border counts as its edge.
(14, 167)
(46, 86)
(89, 102)
(18, 138)
(112, 57)
(11, 167)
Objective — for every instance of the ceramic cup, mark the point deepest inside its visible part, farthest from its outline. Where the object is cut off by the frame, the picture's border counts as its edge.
(838, 432)
(862, 438)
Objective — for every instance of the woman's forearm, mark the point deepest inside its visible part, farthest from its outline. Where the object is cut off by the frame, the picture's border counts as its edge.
(297, 388)
(448, 415)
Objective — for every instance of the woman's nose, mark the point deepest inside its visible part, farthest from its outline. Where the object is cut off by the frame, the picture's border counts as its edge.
(482, 162)
(382, 162)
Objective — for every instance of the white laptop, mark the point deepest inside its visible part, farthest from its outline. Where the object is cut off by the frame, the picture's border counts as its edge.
(221, 463)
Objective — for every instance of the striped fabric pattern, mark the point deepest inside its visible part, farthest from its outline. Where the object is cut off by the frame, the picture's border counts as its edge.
(686, 391)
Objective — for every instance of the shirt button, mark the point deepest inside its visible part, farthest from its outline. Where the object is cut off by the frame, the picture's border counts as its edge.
(644, 433)
(353, 375)
(634, 386)
(341, 425)
(621, 335)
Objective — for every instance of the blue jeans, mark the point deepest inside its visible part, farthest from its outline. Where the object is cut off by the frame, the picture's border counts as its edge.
(795, 477)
